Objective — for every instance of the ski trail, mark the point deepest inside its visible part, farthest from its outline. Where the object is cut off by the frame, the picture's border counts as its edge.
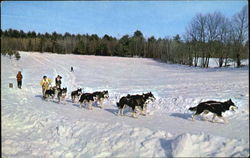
(34, 57)
(69, 79)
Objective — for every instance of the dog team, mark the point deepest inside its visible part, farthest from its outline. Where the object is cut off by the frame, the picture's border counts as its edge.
(133, 101)
(52, 91)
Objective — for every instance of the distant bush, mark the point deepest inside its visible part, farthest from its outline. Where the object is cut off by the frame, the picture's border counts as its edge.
(3, 52)
(10, 53)
(17, 55)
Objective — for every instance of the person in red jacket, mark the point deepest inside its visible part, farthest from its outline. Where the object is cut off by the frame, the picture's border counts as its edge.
(19, 78)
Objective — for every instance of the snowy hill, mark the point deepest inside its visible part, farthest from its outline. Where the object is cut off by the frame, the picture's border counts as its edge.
(32, 127)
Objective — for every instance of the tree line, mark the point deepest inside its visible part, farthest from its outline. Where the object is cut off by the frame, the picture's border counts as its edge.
(207, 36)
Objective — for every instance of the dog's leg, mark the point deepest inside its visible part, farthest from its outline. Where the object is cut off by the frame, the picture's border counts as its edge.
(76, 99)
(203, 115)
(145, 109)
(193, 117)
(84, 102)
(119, 112)
(63, 99)
(142, 111)
(213, 117)
(123, 109)
(81, 105)
(204, 118)
(198, 112)
(58, 97)
(225, 121)
(97, 102)
(101, 103)
(46, 97)
(133, 114)
(90, 105)
(139, 109)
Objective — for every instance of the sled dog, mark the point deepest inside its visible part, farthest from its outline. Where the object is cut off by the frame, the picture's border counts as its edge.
(91, 97)
(134, 101)
(86, 98)
(51, 92)
(62, 92)
(76, 94)
(100, 96)
(214, 107)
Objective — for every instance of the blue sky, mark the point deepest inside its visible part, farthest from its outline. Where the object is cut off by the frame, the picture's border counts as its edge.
(115, 18)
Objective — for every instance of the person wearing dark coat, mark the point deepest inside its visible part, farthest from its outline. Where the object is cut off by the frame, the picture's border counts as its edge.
(19, 78)
(58, 81)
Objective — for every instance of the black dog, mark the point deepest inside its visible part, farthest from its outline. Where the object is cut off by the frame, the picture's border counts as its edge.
(214, 107)
(51, 92)
(91, 97)
(76, 94)
(134, 101)
(86, 98)
(100, 96)
(61, 94)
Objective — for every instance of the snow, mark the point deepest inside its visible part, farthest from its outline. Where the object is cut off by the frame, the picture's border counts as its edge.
(32, 127)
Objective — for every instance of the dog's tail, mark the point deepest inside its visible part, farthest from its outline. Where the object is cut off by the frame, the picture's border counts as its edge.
(193, 108)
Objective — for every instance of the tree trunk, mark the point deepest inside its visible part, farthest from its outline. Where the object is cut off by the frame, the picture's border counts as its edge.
(220, 61)
(238, 60)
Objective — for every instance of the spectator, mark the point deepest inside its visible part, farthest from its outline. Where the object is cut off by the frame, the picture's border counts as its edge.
(19, 78)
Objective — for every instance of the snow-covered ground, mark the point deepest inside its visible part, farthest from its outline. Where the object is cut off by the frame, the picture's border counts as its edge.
(32, 127)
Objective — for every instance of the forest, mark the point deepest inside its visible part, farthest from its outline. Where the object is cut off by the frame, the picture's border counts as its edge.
(211, 35)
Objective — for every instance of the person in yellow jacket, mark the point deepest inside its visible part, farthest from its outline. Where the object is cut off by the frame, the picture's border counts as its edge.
(45, 83)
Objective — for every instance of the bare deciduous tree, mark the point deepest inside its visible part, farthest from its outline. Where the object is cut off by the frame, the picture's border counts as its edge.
(240, 29)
